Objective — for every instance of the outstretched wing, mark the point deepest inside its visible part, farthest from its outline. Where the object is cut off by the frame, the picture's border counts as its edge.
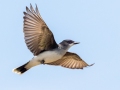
(38, 37)
(71, 60)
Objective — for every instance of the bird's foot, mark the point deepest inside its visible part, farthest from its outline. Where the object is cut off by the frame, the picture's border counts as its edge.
(42, 61)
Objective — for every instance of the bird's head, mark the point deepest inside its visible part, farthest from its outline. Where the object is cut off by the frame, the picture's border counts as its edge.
(68, 43)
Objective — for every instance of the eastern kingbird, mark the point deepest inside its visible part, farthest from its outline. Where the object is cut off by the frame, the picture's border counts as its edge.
(40, 41)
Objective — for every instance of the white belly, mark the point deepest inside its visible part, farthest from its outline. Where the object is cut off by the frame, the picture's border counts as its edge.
(49, 56)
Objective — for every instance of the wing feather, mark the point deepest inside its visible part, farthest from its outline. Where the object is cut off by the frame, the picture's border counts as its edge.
(37, 35)
(71, 60)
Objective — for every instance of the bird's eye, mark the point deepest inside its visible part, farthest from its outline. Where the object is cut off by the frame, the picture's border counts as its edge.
(70, 41)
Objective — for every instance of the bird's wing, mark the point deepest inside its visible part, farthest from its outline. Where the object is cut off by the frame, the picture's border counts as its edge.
(38, 37)
(71, 60)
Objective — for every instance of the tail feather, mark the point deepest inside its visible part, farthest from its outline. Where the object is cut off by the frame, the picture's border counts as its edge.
(21, 69)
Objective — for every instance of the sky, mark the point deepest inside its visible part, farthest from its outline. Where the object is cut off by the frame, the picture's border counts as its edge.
(93, 23)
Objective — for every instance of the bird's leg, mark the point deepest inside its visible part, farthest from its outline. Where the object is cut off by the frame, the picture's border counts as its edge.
(42, 61)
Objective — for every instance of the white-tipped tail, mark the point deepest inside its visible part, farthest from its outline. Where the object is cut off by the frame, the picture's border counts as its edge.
(16, 71)
(21, 69)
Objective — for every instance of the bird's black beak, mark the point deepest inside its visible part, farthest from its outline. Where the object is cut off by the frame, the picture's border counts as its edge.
(76, 42)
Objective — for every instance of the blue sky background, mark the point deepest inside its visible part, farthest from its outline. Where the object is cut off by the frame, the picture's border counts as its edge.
(94, 23)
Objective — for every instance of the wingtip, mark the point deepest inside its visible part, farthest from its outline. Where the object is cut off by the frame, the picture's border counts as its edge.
(91, 64)
(24, 13)
(37, 9)
(35, 4)
(27, 8)
(30, 4)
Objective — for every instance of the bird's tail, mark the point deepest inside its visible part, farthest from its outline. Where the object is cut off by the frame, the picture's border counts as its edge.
(21, 69)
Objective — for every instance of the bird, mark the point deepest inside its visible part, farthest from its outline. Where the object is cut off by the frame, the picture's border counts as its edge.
(41, 42)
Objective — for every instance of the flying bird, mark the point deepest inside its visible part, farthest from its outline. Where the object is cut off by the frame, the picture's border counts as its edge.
(41, 42)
